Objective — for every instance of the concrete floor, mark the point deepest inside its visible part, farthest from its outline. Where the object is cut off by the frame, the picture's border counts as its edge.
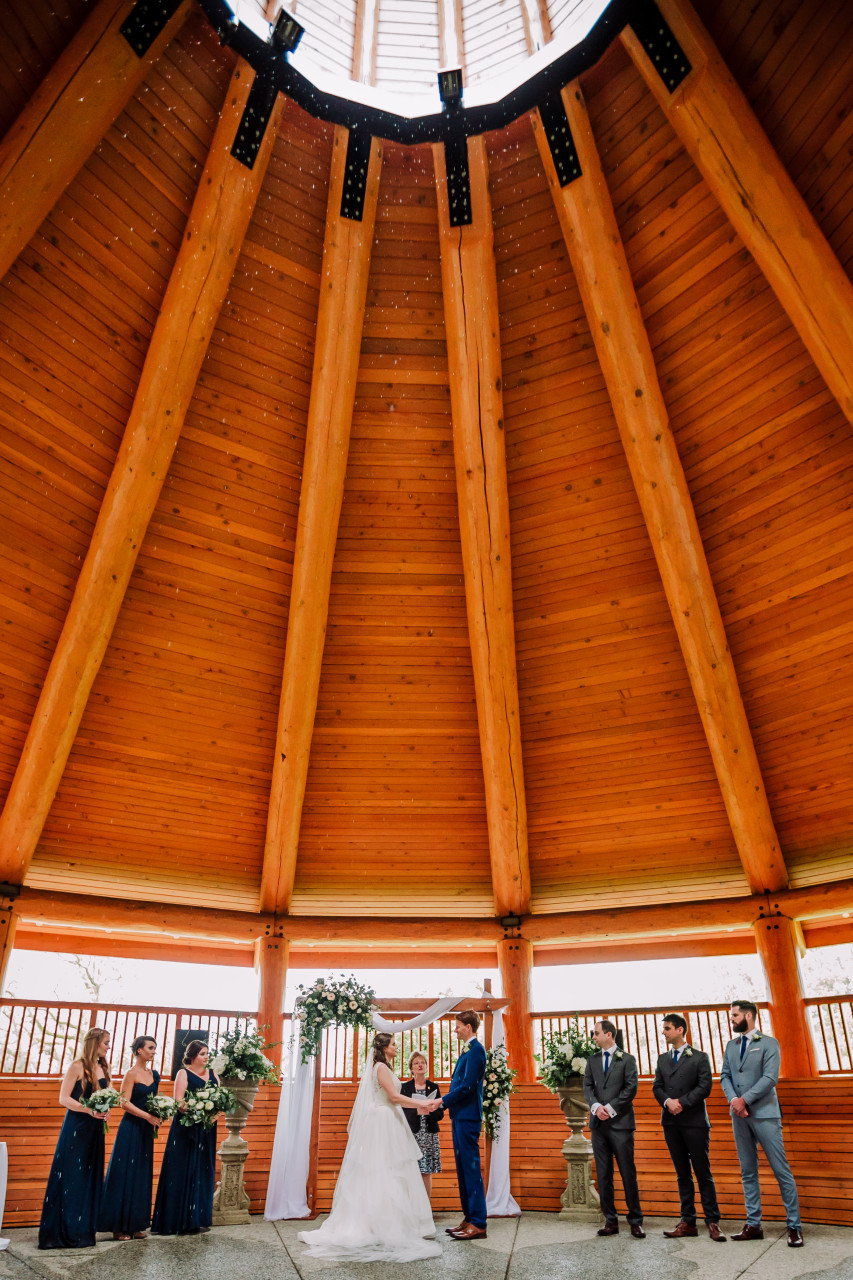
(536, 1246)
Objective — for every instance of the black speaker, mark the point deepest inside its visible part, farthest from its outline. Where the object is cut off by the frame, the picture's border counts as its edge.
(183, 1036)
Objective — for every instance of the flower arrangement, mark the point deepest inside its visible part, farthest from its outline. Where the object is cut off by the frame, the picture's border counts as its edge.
(161, 1107)
(202, 1106)
(240, 1056)
(328, 1003)
(497, 1086)
(102, 1101)
(564, 1056)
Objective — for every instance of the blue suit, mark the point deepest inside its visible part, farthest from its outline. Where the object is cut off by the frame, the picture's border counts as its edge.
(464, 1101)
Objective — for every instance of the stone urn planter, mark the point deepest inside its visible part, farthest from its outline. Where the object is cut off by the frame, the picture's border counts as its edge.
(580, 1198)
(230, 1201)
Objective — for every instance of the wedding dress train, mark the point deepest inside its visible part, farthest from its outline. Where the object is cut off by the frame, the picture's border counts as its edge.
(380, 1211)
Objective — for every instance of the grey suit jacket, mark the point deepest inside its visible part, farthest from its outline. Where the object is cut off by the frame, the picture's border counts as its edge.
(755, 1078)
(689, 1081)
(618, 1087)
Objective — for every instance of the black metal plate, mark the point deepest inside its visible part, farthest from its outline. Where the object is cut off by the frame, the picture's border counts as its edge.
(254, 121)
(560, 141)
(145, 21)
(355, 175)
(458, 180)
(655, 35)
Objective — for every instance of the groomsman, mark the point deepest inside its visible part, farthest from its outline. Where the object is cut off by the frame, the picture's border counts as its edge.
(749, 1077)
(682, 1083)
(610, 1086)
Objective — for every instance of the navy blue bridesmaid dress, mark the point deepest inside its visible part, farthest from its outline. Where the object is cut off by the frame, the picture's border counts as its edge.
(184, 1201)
(126, 1203)
(72, 1201)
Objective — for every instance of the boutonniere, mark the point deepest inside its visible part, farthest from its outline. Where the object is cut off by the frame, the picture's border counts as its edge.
(688, 1052)
(465, 1048)
(757, 1036)
(618, 1054)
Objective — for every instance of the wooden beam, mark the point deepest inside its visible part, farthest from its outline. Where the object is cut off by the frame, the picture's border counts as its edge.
(601, 269)
(346, 266)
(196, 291)
(720, 132)
(272, 956)
(473, 348)
(40, 906)
(515, 960)
(83, 93)
(8, 924)
(132, 946)
(628, 950)
(777, 939)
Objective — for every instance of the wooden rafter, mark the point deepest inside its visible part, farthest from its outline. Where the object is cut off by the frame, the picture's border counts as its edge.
(473, 348)
(720, 132)
(346, 265)
(197, 288)
(601, 269)
(83, 93)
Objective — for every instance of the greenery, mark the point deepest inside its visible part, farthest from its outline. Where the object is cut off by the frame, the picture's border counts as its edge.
(203, 1106)
(240, 1056)
(101, 1101)
(328, 1003)
(564, 1056)
(161, 1108)
(497, 1086)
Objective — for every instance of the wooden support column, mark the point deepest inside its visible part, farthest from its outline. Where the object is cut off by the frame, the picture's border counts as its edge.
(473, 348)
(778, 940)
(601, 268)
(346, 265)
(720, 132)
(8, 921)
(515, 961)
(83, 93)
(196, 291)
(272, 956)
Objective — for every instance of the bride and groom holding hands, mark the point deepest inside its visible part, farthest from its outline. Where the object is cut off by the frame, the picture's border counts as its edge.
(381, 1211)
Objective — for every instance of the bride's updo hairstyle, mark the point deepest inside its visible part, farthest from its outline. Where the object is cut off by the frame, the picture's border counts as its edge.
(381, 1041)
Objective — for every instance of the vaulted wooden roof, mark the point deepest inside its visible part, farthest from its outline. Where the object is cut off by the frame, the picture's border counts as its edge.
(622, 795)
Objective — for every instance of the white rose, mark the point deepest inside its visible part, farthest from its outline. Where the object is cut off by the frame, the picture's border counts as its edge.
(353, 1004)
(330, 995)
(219, 1063)
(579, 1064)
(208, 1106)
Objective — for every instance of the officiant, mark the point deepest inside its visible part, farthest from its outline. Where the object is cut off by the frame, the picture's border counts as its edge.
(425, 1128)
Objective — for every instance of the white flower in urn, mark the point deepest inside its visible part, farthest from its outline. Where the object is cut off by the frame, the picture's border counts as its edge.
(219, 1063)
(579, 1065)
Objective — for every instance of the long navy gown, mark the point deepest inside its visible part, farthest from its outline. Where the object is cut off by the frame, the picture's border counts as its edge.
(184, 1201)
(72, 1201)
(126, 1203)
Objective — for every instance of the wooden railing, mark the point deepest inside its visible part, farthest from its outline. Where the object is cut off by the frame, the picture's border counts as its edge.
(344, 1050)
(708, 1029)
(831, 1020)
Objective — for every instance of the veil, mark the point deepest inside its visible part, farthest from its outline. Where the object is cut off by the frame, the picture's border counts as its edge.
(365, 1099)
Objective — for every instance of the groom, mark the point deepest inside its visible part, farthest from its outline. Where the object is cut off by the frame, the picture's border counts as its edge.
(465, 1104)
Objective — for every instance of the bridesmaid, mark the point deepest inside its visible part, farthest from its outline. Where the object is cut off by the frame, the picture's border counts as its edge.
(126, 1204)
(184, 1201)
(72, 1201)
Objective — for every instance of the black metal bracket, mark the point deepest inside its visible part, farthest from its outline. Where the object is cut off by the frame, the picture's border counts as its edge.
(254, 121)
(355, 175)
(9, 890)
(145, 21)
(656, 36)
(560, 141)
(458, 180)
(511, 926)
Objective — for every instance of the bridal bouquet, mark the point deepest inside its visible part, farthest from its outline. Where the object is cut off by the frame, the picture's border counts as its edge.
(203, 1106)
(102, 1101)
(497, 1086)
(240, 1056)
(564, 1056)
(161, 1107)
(328, 1003)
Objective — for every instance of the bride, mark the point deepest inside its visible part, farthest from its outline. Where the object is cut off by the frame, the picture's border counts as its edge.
(380, 1211)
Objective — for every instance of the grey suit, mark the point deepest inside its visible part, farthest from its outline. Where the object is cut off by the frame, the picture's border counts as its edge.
(615, 1137)
(688, 1134)
(753, 1077)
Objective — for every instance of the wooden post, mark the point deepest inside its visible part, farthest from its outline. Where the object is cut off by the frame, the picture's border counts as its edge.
(83, 93)
(8, 921)
(473, 349)
(777, 940)
(346, 265)
(601, 269)
(314, 1148)
(218, 221)
(720, 132)
(271, 957)
(515, 961)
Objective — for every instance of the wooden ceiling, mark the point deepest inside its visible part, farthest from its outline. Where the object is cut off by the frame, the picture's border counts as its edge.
(166, 790)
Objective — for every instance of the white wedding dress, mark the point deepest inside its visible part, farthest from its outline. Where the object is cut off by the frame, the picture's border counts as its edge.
(380, 1211)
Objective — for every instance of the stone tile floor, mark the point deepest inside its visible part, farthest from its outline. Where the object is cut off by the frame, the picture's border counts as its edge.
(537, 1246)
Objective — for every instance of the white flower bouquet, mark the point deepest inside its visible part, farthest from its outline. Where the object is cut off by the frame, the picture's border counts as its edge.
(101, 1102)
(564, 1056)
(161, 1107)
(203, 1106)
(328, 1003)
(497, 1086)
(240, 1056)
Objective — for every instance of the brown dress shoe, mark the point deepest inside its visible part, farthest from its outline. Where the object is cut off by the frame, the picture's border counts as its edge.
(609, 1229)
(471, 1233)
(750, 1233)
(715, 1233)
(451, 1231)
(795, 1238)
(683, 1229)
(637, 1231)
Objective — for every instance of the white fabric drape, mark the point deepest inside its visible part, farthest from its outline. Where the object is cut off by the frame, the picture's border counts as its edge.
(499, 1200)
(291, 1152)
(4, 1165)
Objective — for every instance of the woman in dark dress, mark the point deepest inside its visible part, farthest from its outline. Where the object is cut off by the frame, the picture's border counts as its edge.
(72, 1201)
(126, 1203)
(184, 1201)
(424, 1127)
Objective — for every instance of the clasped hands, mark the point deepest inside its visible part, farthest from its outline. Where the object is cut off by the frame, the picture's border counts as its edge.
(427, 1108)
(739, 1108)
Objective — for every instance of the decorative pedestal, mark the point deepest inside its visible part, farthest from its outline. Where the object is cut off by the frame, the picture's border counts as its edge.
(230, 1201)
(580, 1198)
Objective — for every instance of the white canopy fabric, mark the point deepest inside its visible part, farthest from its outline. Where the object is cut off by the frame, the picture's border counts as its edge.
(499, 1200)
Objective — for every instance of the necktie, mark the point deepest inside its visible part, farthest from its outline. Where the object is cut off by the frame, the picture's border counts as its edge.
(606, 1060)
(675, 1053)
(742, 1047)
